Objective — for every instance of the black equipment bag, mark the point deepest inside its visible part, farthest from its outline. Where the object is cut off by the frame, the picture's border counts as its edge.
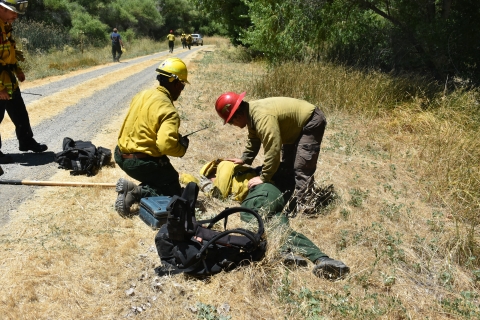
(186, 246)
(82, 157)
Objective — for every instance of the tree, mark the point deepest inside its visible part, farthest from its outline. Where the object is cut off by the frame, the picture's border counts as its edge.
(440, 37)
(233, 14)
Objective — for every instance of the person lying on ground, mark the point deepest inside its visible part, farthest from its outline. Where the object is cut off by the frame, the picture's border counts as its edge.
(224, 179)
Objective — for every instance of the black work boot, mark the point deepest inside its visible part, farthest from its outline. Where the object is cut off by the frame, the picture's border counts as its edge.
(289, 259)
(330, 268)
(5, 158)
(32, 145)
(128, 194)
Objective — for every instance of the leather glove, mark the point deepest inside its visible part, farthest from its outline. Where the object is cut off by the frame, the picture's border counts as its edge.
(183, 141)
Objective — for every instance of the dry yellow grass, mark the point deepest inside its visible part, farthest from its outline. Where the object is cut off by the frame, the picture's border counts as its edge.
(68, 255)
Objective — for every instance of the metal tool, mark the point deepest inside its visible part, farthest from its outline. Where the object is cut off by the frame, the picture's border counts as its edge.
(58, 183)
(195, 131)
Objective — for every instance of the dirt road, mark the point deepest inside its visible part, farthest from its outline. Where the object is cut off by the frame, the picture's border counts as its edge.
(79, 106)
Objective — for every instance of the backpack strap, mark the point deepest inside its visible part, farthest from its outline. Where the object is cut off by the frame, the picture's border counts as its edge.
(181, 213)
(68, 143)
(229, 211)
(190, 194)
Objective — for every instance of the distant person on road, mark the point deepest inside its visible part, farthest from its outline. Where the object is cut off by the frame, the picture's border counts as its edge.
(171, 41)
(11, 99)
(183, 39)
(149, 135)
(117, 45)
(291, 132)
(189, 41)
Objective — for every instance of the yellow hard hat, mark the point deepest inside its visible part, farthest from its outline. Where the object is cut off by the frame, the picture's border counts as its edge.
(174, 68)
(18, 6)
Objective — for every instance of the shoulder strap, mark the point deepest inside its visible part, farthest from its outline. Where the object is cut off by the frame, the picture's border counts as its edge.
(190, 194)
(68, 143)
(229, 211)
(181, 216)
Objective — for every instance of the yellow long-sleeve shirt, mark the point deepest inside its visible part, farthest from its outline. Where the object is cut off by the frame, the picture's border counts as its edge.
(170, 37)
(151, 125)
(8, 58)
(271, 123)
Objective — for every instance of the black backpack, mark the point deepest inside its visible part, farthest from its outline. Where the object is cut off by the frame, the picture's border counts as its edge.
(82, 157)
(185, 246)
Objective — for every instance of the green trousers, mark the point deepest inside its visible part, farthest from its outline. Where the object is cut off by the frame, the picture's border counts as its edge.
(157, 176)
(268, 197)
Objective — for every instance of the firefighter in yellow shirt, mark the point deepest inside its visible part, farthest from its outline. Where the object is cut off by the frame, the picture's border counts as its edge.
(11, 99)
(183, 39)
(171, 41)
(149, 135)
(189, 40)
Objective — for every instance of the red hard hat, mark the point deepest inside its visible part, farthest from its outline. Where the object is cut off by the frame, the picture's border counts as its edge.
(227, 104)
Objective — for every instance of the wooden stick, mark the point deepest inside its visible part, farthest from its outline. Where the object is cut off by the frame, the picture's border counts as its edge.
(57, 183)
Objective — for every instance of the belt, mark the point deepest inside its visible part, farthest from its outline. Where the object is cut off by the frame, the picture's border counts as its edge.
(163, 160)
(137, 155)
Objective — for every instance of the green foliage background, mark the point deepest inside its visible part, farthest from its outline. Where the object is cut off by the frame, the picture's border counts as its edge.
(436, 37)
(92, 21)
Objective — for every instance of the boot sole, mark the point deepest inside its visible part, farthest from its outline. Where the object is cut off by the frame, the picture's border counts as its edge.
(120, 206)
(120, 185)
(36, 151)
(331, 272)
(122, 191)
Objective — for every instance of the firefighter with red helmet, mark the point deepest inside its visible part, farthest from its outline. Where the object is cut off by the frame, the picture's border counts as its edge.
(11, 99)
(291, 132)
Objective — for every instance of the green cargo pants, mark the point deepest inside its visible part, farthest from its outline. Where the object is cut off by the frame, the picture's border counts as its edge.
(157, 175)
(268, 197)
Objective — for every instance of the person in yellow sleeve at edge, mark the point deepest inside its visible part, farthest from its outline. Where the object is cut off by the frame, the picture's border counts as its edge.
(11, 99)
(149, 135)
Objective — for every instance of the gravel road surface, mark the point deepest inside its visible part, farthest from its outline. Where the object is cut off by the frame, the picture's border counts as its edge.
(82, 121)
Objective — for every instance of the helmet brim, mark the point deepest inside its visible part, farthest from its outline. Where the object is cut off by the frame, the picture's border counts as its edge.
(12, 8)
(170, 75)
(235, 107)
